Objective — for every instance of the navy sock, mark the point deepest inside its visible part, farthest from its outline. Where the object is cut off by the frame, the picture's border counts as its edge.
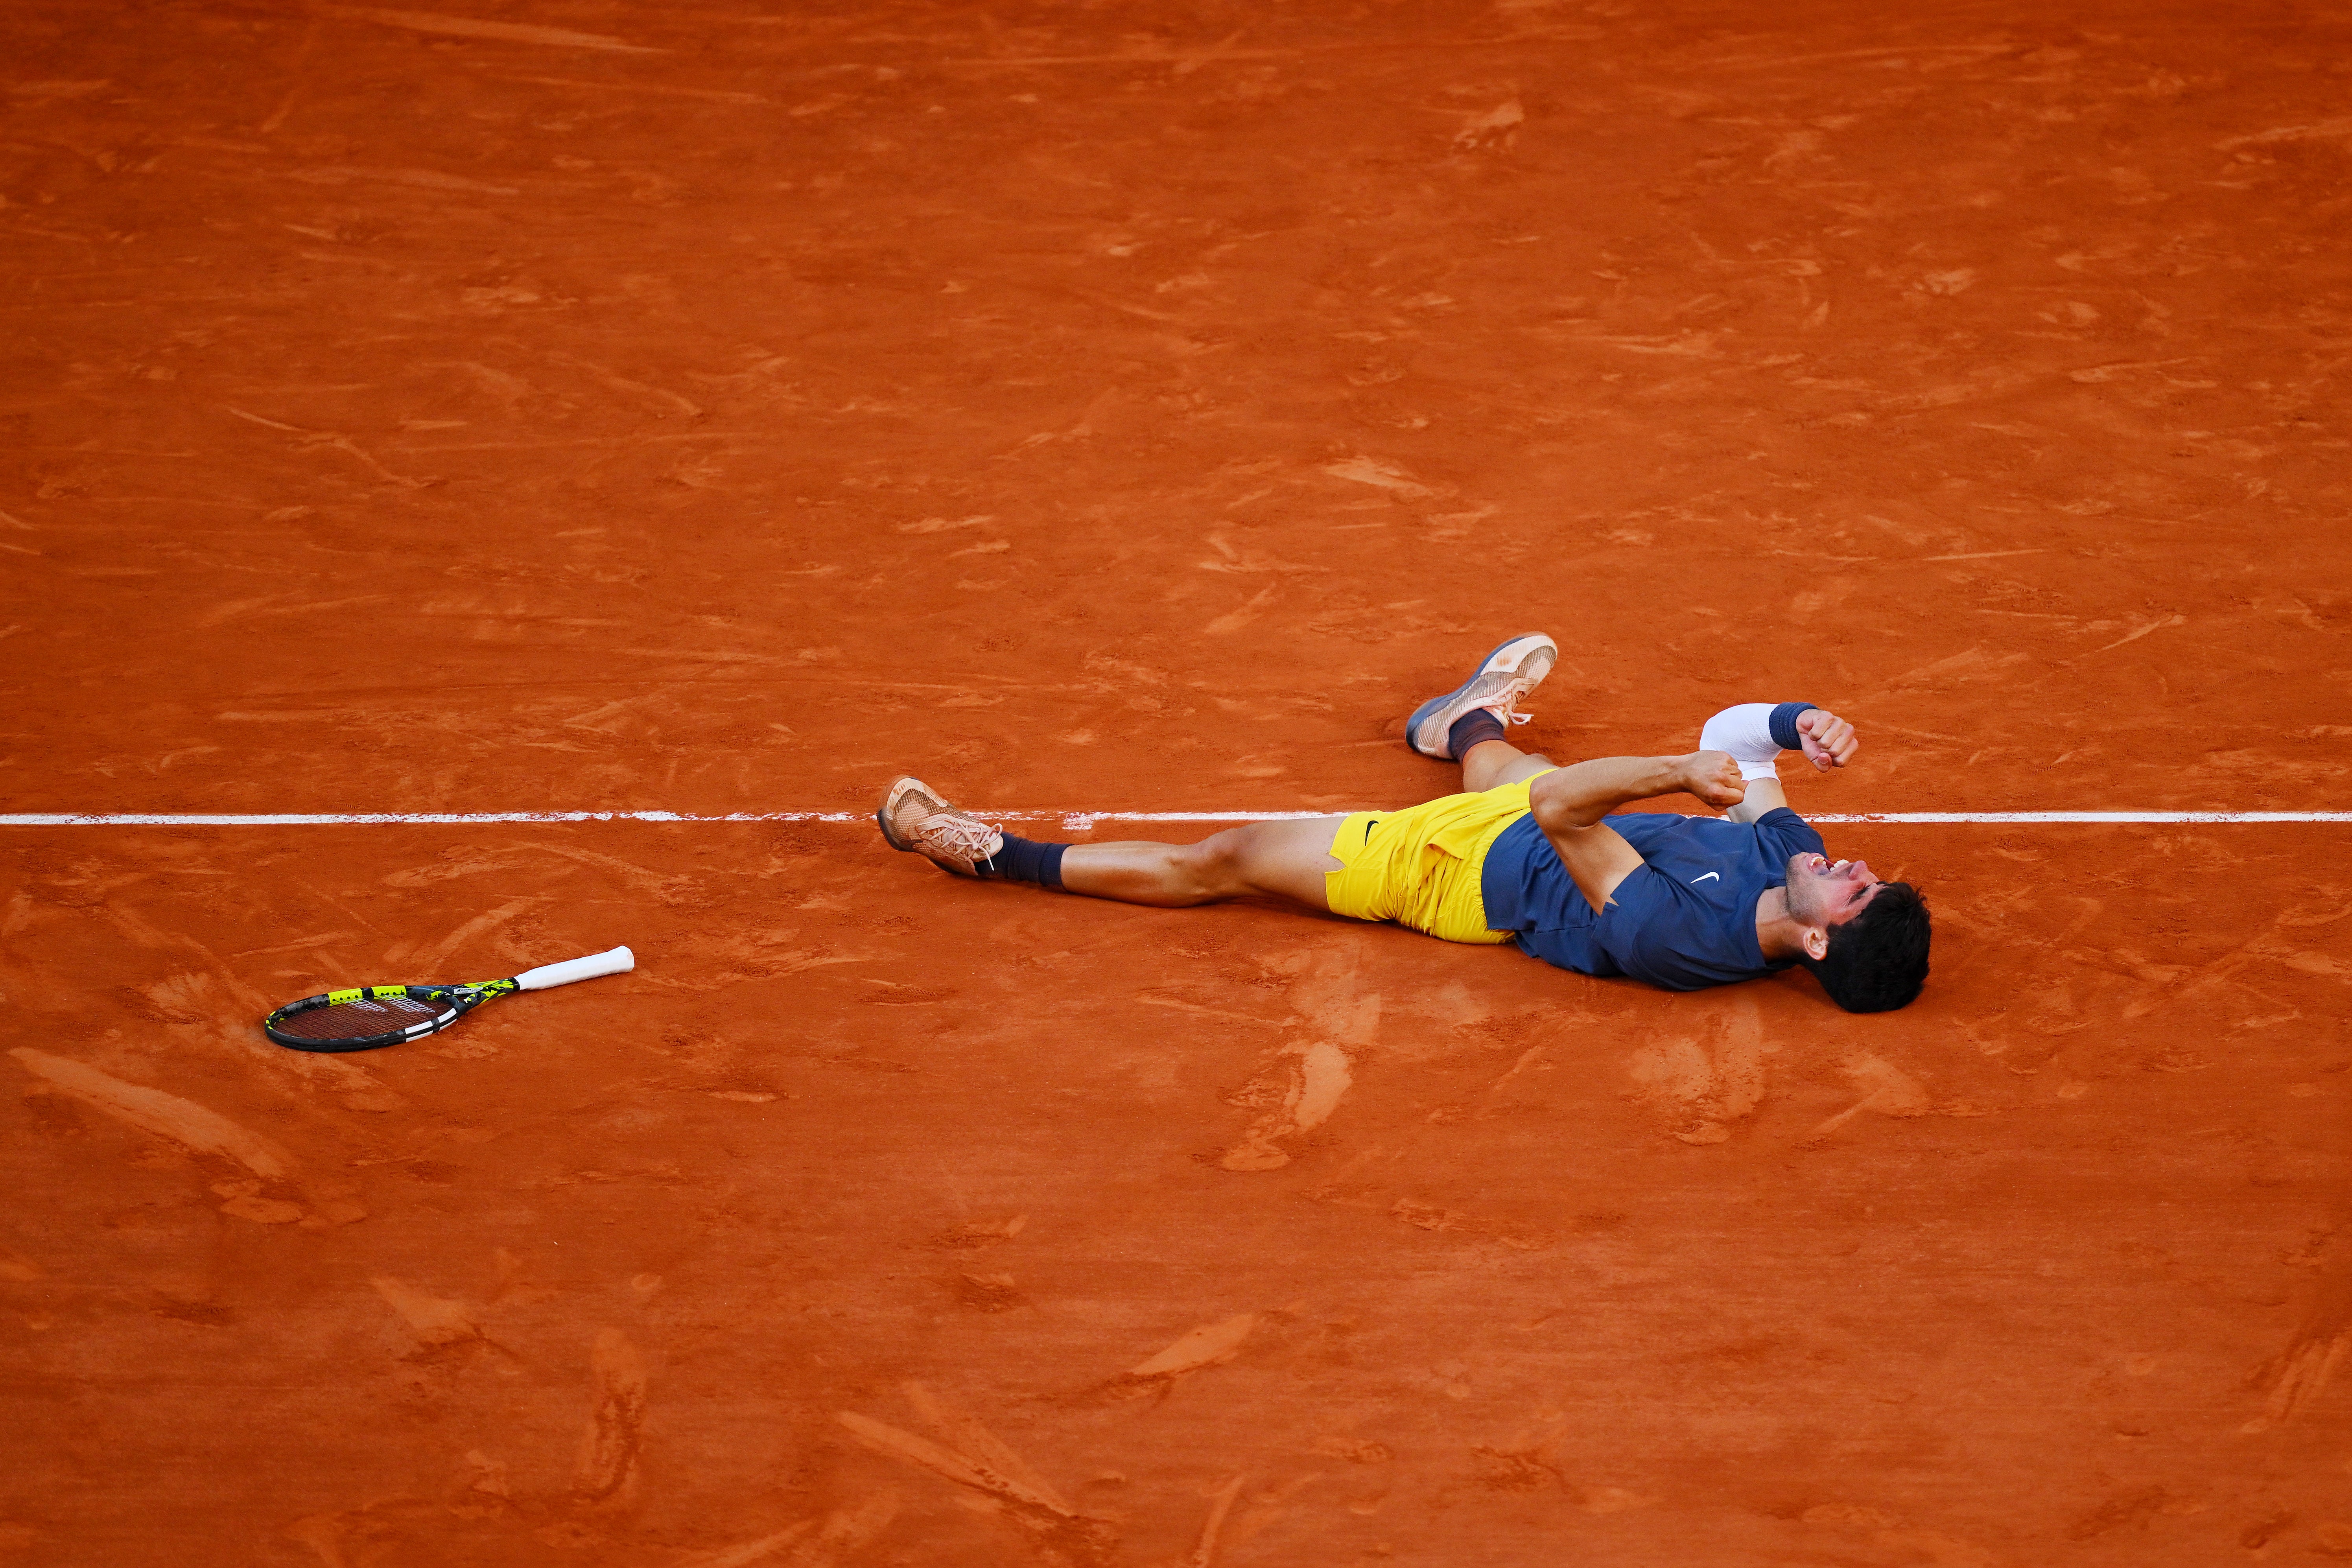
(1478, 724)
(1020, 860)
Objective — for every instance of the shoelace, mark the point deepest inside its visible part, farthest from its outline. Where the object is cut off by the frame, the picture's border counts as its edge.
(1503, 705)
(963, 837)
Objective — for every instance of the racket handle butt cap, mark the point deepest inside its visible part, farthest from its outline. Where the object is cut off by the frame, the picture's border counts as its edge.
(620, 961)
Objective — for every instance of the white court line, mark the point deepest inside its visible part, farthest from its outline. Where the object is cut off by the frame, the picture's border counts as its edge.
(1070, 819)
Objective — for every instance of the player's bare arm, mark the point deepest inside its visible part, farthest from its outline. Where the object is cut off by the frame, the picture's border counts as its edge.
(1829, 743)
(1570, 802)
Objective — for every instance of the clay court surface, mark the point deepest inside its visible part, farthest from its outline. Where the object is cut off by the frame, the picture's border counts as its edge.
(1126, 408)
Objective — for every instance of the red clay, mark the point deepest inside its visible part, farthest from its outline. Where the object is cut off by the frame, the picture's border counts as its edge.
(1140, 408)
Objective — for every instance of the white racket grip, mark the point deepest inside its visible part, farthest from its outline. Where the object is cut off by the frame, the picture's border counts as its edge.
(620, 961)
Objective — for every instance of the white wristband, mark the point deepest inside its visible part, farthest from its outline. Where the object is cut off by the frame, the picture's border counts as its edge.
(1745, 731)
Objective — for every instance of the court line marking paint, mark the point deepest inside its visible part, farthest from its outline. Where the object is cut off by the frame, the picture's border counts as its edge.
(1072, 819)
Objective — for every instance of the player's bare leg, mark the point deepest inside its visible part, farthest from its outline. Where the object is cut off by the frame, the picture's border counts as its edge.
(1283, 859)
(1492, 763)
(1277, 859)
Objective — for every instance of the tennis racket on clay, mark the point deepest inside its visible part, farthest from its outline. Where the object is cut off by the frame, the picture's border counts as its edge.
(369, 1017)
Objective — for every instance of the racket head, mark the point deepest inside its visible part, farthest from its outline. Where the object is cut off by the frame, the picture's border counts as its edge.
(369, 1017)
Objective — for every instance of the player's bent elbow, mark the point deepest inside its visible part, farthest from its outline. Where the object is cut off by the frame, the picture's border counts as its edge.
(1559, 812)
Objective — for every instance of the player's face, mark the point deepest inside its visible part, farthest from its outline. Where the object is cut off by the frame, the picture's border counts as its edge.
(1825, 892)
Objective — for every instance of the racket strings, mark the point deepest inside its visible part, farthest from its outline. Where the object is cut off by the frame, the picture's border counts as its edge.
(357, 1020)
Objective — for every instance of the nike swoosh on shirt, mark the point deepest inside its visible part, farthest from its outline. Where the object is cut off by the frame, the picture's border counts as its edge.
(1696, 880)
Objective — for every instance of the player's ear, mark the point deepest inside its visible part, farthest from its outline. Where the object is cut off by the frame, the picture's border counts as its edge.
(1817, 944)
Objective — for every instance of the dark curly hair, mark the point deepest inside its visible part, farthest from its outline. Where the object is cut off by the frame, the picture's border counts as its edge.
(1877, 960)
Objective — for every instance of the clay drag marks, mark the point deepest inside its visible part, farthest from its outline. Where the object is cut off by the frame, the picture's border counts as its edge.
(657, 408)
(880, 1218)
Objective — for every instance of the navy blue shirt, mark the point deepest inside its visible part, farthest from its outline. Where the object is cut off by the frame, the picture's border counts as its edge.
(1686, 919)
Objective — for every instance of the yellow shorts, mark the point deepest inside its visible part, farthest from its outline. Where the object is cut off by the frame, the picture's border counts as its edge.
(1423, 867)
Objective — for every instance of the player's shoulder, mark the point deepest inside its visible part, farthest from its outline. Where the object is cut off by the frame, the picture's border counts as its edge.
(1783, 826)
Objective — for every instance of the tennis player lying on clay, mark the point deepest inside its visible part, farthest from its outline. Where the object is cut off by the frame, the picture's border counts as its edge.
(1530, 854)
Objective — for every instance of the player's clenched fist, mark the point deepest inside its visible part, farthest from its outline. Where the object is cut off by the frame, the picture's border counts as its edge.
(1829, 740)
(1714, 777)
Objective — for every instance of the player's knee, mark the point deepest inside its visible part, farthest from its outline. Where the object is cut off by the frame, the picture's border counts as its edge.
(1479, 773)
(1215, 868)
